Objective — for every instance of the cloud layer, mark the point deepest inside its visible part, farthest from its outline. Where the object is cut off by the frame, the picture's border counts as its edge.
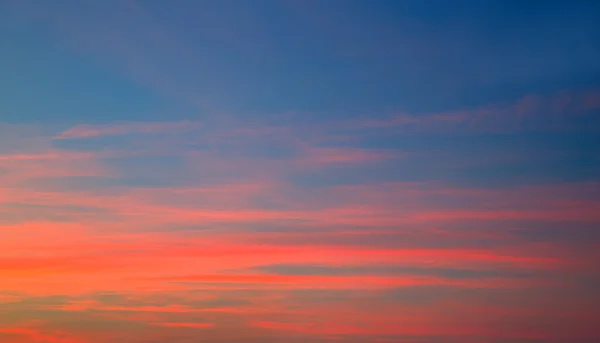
(195, 230)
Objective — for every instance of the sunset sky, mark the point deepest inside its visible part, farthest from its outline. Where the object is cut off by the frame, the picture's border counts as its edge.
(299, 171)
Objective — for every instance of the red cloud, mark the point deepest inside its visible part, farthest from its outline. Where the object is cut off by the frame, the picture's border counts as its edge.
(187, 325)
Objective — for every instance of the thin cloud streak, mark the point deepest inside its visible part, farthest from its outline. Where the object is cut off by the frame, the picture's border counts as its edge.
(88, 131)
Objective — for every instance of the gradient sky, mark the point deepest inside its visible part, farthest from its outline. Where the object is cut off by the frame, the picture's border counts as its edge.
(261, 171)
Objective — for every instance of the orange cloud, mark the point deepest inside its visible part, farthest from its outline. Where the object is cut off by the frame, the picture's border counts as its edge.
(33, 335)
(187, 325)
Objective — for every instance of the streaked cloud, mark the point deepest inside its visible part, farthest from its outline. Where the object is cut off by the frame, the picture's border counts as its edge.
(87, 131)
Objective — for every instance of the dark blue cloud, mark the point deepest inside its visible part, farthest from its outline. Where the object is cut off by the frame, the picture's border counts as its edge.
(450, 273)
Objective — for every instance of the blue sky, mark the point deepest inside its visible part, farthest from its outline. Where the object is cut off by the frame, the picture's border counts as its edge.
(339, 58)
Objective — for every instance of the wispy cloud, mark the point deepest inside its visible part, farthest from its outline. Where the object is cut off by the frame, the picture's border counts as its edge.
(87, 131)
(530, 112)
(187, 325)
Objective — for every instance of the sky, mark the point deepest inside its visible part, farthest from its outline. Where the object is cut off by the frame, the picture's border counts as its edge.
(299, 171)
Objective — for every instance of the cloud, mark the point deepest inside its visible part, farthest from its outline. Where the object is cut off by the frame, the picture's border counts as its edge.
(187, 325)
(531, 112)
(88, 131)
(270, 281)
(391, 270)
(39, 336)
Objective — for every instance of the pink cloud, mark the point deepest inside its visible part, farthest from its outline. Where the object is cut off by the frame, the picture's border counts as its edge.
(528, 112)
(319, 156)
(87, 131)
